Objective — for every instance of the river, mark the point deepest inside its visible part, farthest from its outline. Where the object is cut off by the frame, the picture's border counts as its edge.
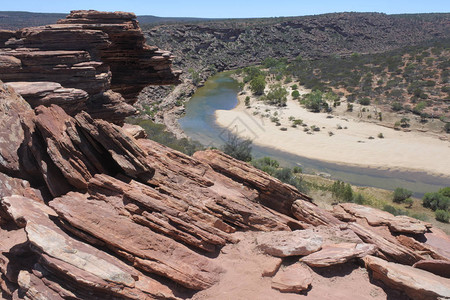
(220, 93)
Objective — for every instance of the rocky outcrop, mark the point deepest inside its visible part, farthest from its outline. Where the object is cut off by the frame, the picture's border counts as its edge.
(93, 61)
(417, 284)
(284, 244)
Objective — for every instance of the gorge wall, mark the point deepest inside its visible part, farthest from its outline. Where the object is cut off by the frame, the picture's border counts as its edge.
(71, 64)
(90, 209)
(229, 44)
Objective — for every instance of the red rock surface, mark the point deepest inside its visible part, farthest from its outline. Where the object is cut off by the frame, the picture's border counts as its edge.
(292, 279)
(94, 61)
(418, 284)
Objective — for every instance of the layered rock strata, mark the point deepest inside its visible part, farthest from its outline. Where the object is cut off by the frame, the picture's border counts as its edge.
(93, 61)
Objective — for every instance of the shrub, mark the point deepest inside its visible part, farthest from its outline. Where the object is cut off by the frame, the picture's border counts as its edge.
(409, 202)
(380, 135)
(294, 87)
(295, 94)
(342, 191)
(277, 95)
(401, 194)
(238, 148)
(349, 107)
(258, 84)
(247, 101)
(364, 101)
(436, 201)
(396, 106)
(442, 215)
(395, 211)
(314, 101)
(447, 127)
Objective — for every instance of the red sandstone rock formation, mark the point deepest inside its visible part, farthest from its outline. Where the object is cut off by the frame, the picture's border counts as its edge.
(92, 210)
(93, 61)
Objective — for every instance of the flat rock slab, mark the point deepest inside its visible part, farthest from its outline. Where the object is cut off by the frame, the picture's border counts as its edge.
(376, 217)
(289, 243)
(293, 279)
(417, 284)
(334, 254)
(438, 267)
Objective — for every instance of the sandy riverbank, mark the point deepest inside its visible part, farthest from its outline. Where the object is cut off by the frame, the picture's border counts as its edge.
(356, 144)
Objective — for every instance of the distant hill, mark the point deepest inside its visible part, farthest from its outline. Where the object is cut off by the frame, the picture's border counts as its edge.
(18, 19)
(12, 20)
(228, 44)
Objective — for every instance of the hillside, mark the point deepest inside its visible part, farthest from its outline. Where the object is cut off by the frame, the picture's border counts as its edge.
(231, 44)
(12, 20)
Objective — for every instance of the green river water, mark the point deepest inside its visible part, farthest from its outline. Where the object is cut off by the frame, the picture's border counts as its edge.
(220, 93)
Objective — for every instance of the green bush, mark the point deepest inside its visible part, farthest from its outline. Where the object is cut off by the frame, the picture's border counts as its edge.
(286, 175)
(258, 84)
(395, 211)
(442, 215)
(364, 101)
(436, 201)
(295, 94)
(247, 101)
(401, 194)
(342, 191)
(396, 106)
(447, 127)
(277, 95)
(314, 101)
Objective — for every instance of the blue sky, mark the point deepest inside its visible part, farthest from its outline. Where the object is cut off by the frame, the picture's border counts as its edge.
(231, 8)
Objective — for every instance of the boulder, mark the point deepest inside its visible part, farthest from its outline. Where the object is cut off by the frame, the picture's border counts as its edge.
(292, 279)
(333, 254)
(135, 131)
(376, 217)
(285, 243)
(417, 284)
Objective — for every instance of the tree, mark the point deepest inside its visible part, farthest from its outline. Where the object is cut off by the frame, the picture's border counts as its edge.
(238, 148)
(314, 101)
(442, 215)
(258, 84)
(295, 94)
(447, 127)
(401, 194)
(404, 122)
(396, 106)
(247, 101)
(277, 95)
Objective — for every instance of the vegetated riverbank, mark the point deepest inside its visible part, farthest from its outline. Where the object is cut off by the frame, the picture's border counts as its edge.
(320, 189)
(337, 137)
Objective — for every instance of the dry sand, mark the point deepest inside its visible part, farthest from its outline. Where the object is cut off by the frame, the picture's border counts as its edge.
(412, 151)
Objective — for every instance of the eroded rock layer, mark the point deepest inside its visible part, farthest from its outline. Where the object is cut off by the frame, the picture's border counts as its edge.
(93, 61)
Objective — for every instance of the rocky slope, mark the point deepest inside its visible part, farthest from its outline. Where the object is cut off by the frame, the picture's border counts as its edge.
(232, 44)
(92, 210)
